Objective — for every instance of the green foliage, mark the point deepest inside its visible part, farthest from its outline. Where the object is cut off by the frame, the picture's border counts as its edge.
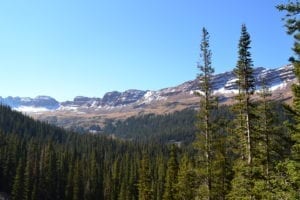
(289, 169)
(64, 165)
(170, 189)
(145, 179)
(187, 180)
(244, 70)
(243, 182)
(178, 126)
(211, 141)
(17, 190)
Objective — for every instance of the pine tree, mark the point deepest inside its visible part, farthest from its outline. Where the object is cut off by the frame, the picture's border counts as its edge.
(69, 186)
(17, 191)
(242, 184)
(160, 177)
(246, 86)
(133, 178)
(145, 179)
(204, 140)
(115, 176)
(222, 156)
(187, 180)
(269, 140)
(61, 173)
(10, 163)
(124, 190)
(78, 182)
(28, 179)
(170, 191)
(211, 137)
(92, 188)
(49, 168)
(263, 151)
(290, 168)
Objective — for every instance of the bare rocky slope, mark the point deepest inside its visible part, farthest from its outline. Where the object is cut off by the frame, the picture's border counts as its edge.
(87, 112)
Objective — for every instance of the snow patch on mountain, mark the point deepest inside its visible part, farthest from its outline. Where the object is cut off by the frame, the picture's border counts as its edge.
(68, 108)
(278, 86)
(31, 109)
(224, 91)
(151, 96)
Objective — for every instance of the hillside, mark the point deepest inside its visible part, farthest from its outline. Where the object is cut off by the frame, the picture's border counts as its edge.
(40, 161)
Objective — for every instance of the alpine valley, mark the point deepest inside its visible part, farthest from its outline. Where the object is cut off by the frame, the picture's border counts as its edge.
(87, 112)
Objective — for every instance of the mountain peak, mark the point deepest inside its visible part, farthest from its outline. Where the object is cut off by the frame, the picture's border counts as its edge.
(178, 97)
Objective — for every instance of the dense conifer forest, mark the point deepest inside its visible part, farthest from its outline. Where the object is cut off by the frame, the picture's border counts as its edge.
(248, 150)
(40, 161)
(178, 126)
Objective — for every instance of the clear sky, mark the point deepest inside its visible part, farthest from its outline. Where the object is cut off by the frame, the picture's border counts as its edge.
(66, 48)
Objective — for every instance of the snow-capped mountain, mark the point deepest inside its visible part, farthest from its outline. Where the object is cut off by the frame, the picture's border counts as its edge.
(164, 100)
(27, 104)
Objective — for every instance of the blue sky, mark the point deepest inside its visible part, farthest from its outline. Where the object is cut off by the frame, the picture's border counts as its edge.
(66, 48)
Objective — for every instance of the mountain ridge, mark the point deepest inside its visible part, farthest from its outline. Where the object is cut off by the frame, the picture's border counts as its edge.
(117, 105)
(223, 83)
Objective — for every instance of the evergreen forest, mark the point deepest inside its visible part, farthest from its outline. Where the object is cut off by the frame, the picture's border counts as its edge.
(248, 150)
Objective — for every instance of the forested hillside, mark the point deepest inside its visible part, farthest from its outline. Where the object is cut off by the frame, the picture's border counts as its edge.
(178, 126)
(39, 161)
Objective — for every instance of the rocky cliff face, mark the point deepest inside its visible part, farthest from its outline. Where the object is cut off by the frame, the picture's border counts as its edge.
(164, 100)
(114, 99)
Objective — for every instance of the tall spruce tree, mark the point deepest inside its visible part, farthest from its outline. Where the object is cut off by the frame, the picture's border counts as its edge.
(290, 169)
(242, 184)
(246, 87)
(211, 138)
(204, 140)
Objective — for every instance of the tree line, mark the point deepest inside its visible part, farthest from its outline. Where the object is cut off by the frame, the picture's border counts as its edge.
(257, 156)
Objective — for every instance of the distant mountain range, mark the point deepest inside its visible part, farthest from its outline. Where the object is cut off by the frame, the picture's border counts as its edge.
(131, 102)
